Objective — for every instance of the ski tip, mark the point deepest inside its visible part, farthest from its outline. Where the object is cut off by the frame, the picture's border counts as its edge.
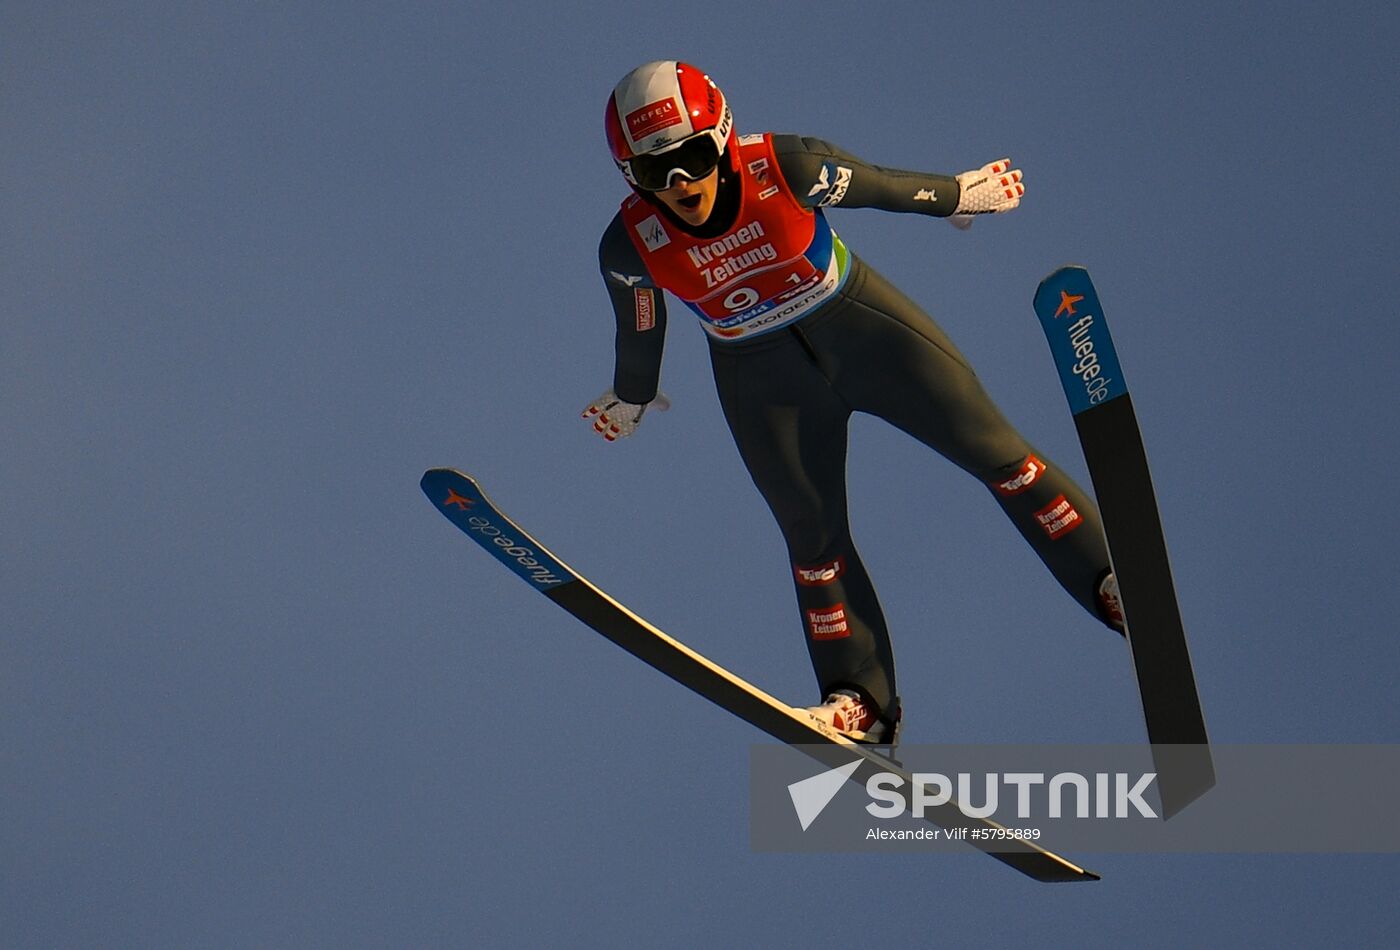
(1059, 276)
(439, 474)
(437, 481)
(443, 485)
(1065, 267)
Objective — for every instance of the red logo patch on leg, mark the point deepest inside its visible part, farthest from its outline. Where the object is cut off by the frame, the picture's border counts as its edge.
(819, 575)
(828, 623)
(1027, 475)
(1059, 518)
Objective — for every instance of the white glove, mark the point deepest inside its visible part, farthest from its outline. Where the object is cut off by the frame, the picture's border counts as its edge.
(991, 189)
(615, 418)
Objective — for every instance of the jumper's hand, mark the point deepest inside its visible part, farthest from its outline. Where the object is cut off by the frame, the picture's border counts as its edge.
(991, 189)
(614, 418)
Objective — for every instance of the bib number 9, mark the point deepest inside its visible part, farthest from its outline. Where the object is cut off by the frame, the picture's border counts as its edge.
(741, 299)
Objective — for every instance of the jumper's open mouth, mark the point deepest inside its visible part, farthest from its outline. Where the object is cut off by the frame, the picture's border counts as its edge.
(690, 202)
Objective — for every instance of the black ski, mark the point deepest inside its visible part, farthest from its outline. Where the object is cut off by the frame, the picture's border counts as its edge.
(462, 501)
(1074, 324)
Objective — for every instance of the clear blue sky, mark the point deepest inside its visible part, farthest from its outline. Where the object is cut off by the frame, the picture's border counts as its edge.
(262, 263)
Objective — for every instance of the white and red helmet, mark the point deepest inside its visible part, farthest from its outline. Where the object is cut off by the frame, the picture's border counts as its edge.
(665, 119)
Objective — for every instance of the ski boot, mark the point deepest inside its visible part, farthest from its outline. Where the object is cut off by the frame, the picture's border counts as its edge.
(858, 720)
(1111, 604)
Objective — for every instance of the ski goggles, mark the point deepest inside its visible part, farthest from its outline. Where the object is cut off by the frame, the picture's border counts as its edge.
(693, 158)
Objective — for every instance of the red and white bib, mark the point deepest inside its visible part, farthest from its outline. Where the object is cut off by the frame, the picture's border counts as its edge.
(778, 262)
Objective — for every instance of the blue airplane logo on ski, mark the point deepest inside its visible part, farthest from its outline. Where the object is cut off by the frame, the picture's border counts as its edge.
(455, 499)
(1067, 302)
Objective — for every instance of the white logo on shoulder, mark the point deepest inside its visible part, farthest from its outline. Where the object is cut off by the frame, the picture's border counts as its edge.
(752, 139)
(838, 190)
(823, 182)
(624, 279)
(652, 233)
(925, 194)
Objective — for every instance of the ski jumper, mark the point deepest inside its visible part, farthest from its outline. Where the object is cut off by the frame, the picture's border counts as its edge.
(802, 334)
